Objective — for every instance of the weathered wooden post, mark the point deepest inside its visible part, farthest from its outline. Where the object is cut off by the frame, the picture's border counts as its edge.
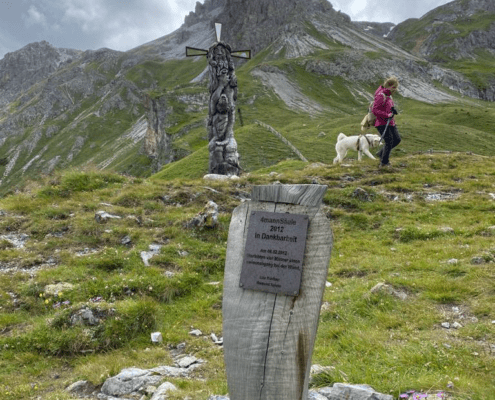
(278, 252)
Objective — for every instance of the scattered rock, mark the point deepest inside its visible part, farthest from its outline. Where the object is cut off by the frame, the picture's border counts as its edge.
(341, 391)
(477, 260)
(102, 217)
(318, 369)
(170, 372)
(147, 255)
(187, 361)
(216, 340)
(446, 325)
(216, 177)
(383, 287)
(163, 390)
(207, 218)
(81, 389)
(129, 381)
(196, 332)
(54, 290)
(312, 395)
(156, 337)
(453, 261)
(456, 325)
(17, 241)
(362, 195)
(126, 241)
(84, 317)
(440, 196)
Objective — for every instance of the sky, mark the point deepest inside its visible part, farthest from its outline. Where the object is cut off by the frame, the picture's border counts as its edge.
(125, 24)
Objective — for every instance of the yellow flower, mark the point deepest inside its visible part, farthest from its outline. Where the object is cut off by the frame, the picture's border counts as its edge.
(47, 301)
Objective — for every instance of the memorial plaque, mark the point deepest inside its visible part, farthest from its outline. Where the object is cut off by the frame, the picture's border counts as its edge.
(274, 253)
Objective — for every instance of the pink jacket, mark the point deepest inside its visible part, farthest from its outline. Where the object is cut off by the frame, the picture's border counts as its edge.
(382, 106)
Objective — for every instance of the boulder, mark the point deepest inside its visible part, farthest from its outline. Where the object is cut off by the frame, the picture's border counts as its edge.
(129, 381)
(341, 391)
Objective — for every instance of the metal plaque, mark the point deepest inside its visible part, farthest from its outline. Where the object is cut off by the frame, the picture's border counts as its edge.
(274, 254)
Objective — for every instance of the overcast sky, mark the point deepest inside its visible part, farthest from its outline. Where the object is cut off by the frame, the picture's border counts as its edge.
(124, 24)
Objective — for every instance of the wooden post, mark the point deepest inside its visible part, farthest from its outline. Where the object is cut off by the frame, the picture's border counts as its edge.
(269, 337)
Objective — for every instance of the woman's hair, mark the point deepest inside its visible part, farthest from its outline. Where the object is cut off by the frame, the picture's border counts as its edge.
(392, 81)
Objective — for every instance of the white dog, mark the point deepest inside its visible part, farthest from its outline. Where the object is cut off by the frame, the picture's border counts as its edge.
(362, 144)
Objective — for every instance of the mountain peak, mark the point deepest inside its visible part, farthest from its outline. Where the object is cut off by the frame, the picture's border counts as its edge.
(255, 24)
(20, 69)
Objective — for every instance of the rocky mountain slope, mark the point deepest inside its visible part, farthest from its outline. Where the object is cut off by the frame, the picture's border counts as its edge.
(454, 31)
(136, 111)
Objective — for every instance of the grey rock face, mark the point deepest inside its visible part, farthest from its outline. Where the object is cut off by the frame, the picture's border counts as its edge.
(157, 143)
(19, 70)
(256, 24)
(441, 23)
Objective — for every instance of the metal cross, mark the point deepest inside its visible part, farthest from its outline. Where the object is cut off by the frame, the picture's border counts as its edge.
(195, 52)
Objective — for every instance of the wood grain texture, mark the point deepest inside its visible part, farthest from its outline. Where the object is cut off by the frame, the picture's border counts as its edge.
(269, 338)
(304, 195)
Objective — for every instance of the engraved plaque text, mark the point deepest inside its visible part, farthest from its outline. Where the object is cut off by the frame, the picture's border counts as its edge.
(274, 254)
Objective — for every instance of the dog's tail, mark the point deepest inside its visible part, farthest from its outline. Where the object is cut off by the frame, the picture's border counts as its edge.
(340, 137)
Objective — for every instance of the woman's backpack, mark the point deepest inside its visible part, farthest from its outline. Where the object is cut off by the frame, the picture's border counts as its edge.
(370, 118)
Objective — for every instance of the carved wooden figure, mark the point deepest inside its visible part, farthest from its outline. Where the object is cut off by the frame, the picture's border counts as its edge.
(224, 158)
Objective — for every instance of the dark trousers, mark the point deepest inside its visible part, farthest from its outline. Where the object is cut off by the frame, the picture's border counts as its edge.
(391, 139)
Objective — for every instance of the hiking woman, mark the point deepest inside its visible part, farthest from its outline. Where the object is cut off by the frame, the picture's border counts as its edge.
(383, 108)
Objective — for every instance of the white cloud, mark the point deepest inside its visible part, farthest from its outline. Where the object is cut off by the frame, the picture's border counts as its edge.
(88, 14)
(387, 10)
(34, 17)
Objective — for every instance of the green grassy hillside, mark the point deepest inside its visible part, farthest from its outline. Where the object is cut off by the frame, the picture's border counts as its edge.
(91, 114)
(425, 228)
(439, 36)
(463, 126)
